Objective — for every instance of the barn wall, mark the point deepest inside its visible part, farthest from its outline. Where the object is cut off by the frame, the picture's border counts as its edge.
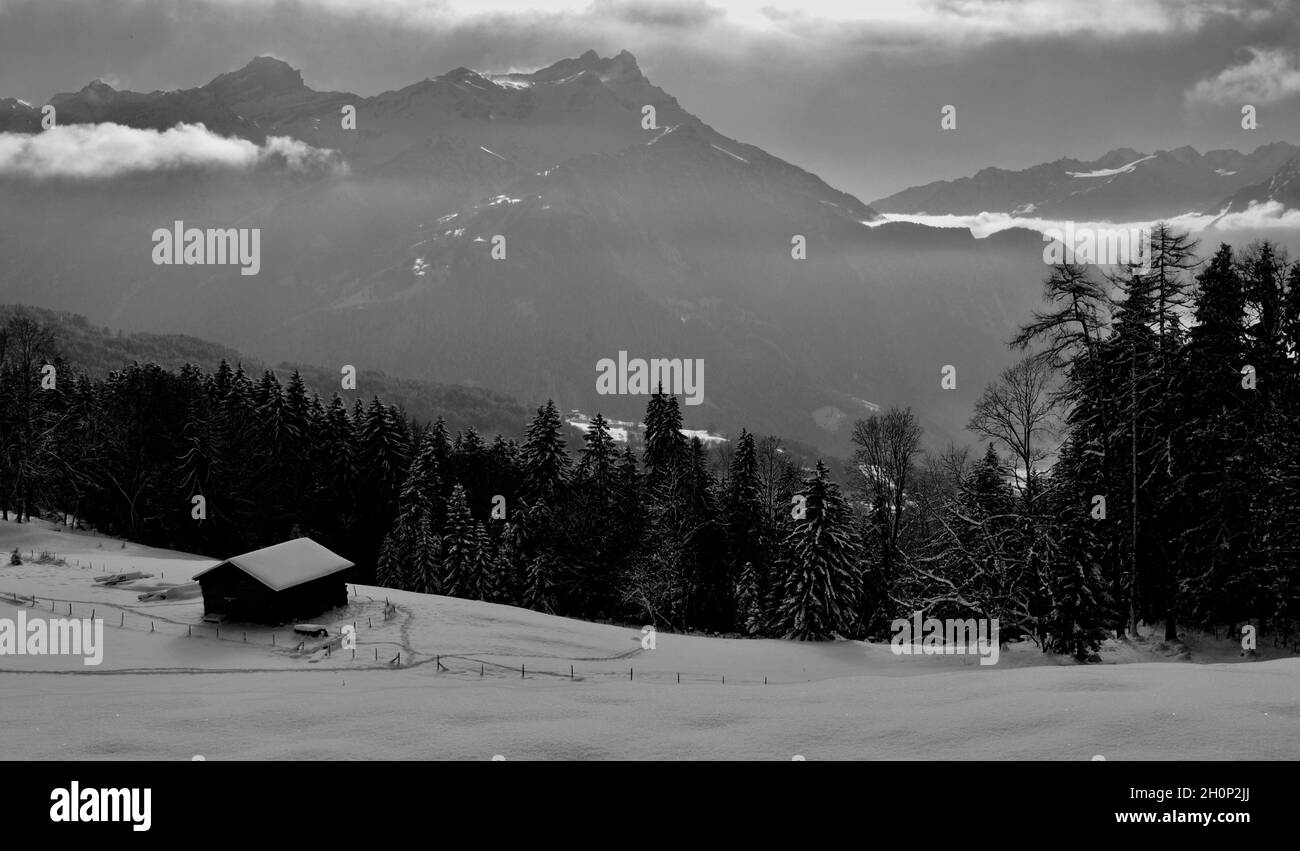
(228, 582)
(254, 602)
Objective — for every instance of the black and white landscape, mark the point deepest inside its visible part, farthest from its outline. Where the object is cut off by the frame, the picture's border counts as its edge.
(469, 380)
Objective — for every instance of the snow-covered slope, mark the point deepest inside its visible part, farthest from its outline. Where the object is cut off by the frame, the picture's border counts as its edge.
(478, 679)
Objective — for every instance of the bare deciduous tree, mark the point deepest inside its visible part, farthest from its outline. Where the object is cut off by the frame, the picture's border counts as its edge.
(777, 475)
(887, 444)
(1019, 411)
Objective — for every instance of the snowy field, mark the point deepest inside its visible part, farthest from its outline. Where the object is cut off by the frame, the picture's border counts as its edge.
(478, 679)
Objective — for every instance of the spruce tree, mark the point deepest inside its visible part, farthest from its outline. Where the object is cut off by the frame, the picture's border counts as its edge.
(460, 548)
(1075, 623)
(820, 588)
(598, 459)
(592, 547)
(384, 457)
(749, 536)
(335, 463)
(1213, 435)
(750, 616)
(665, 446)
(711, 600)
(544, 459)
(410, 555)
(628, 509)
(1140, 371)
(539, 583)
(488, 582)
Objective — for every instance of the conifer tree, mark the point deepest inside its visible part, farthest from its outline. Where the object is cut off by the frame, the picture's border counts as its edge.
(544, 459)
(335, 462)
(1079, 609)
(487, 580)
(592, 546)
(665, 446)
(383, 460)
(1138, 374)
(711, 597)
(1213, 437)
(410, 555)
(445, 468)
(750, 616)
(819, 593)
(461, 555)
(539, 583)
(628, 509)
(598, 459)
(748, 534)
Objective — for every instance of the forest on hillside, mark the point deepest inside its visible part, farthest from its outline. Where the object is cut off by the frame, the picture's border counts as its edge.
(1140, 463)
(98, 351)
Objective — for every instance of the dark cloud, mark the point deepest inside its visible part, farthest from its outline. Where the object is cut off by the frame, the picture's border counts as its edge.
(672, 15)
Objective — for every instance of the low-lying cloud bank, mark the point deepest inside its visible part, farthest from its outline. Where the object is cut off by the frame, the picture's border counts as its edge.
(1271, 215)
(99, 151)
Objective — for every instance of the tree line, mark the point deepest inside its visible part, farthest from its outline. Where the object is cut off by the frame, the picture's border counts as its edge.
(1140, 464)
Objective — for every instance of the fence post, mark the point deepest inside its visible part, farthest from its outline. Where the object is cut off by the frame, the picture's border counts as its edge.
(521, 671)
(480, 669)
(570, 672)
(376, 654)
(151, 626)
(218, 632)
(629, 673)
(189, 631)
(122, 622)
(369, 625)
(273, 639)
(724, 679)
(92, 614)
(354, 654)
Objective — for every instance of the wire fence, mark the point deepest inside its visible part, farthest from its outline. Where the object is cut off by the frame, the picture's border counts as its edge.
(381, 642)
(380, 639)
(369, 616)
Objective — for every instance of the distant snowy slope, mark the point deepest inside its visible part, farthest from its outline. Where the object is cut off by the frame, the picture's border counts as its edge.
(1124, 185)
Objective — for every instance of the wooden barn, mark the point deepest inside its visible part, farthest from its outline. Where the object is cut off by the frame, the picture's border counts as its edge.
(290, 581)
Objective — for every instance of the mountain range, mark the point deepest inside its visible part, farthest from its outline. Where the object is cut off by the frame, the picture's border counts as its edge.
(1123, 186)
(665, 241)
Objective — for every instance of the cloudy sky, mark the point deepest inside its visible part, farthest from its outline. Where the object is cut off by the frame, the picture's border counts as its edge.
(850, 90)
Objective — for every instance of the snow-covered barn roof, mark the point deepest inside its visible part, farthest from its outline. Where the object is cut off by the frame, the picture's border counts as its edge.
(284, 565)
